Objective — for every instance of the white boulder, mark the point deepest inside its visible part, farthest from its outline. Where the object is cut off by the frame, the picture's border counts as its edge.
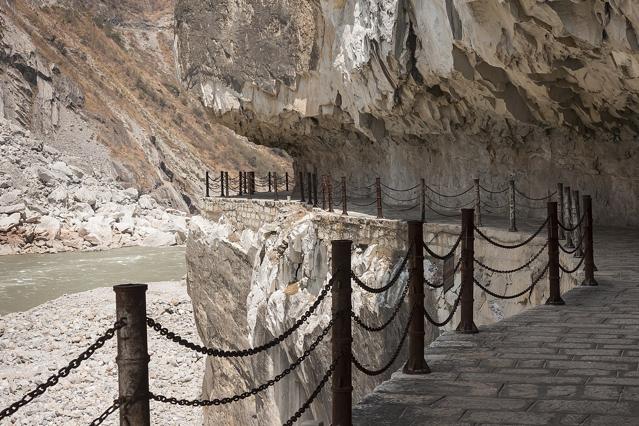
(61, 166)
(97, 231)
(147, 202)
(157, 238)
(58, 195)
(48, 228)
(10, 197)
(14, 208)
(9, 222)
(132, 194)
(86, 195)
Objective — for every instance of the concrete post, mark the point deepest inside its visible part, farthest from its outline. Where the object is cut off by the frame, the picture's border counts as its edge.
(341, 334)
(416, 364)
(553, 256)
(133, 355)
(466, 324)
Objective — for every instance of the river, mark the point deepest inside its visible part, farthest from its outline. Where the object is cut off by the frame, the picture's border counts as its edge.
(28, 280)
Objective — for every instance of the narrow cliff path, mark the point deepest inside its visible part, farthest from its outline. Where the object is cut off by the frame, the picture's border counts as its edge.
(571, 365)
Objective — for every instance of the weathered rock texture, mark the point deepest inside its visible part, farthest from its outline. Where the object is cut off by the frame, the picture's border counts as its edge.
(249, 283)
(444, 89)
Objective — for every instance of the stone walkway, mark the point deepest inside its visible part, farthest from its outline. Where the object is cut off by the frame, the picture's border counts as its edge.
(571, 365)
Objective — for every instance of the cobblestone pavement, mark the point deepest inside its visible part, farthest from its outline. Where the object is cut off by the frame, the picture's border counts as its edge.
(570, 365)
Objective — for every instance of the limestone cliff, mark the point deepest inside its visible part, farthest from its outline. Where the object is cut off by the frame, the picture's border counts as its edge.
(442, 89)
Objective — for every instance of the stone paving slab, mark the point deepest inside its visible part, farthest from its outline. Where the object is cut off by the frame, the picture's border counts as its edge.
(576, 364)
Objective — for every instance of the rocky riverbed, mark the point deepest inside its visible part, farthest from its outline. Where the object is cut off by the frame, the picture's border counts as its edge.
(36, 343)
(52, 202)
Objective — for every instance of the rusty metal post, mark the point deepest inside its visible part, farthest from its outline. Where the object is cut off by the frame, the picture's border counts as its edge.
(133, 354)
(270, 183)
(512, 207)
(309, 183)
(323, 192)
(344, 197)
(578, 233)
(315, 190)
(567, 221)
(477, 203)
(277, 197)
(251, 183)
(206, 176)
(589, 261)
(378, 198)
(240, 184)
(302, 187)
(423, 200)
(246, 188)
(416, 364)
(226, 183)
(466, 323)
(221, 184)
(553, 256)
(329, 180)
(286, 180)
(560, 200)
(341, 337)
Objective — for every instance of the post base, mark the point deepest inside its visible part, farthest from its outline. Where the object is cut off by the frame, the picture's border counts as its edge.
(512, 229)
(590, 282)
(467, 328)
(569, 245)
(416, 367)
(558, 301)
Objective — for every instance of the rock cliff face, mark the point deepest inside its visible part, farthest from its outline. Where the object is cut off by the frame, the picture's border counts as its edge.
(449, 90)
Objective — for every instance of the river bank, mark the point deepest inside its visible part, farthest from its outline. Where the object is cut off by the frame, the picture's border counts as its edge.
(36, 343)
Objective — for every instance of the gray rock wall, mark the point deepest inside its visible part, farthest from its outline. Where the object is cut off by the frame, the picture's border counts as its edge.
(447, 90)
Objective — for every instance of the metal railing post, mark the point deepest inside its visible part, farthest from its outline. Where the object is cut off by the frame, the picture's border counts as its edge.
(323, 192)
(221, 184)
(567, 221)
(341, 336)
(226, 183)
(302, 187)
(560, 200)
(577, 233)
(206, 176)
(512, 207)
(344, 197)
(329, 180)
(252, 183)
(378, 198)
(554, 297)
(589, 261)
(416, 364)
(246, 188)
(286, 180)
(423, 181)
(277, 197)
(309, 183)
(315, 201)
(270, 183)
(240, 184)
(133, 354)
(466, 323)
(477, 203)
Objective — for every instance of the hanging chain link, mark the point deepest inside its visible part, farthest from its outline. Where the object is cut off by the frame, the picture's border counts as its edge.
(369, 372)
(449, 195)
(528, 290)
(367, 327)
(295, 417)
(575, 269)
(510, 247)
(510, 271)
(64, 371)
(223, 353)
(450, 315)
(392, 281)
(113, 408)
(547, 197)
(572, 228)
(445, 256)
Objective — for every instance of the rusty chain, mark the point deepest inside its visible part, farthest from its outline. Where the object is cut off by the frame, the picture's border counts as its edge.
(572, 228)
(510, 271)
(431, 285)
(390, 283)
(450, 315)
(450, 253)
(253, 391)
(499, 191)
(295, 417)
(510, 247)
(401, 190)
(443, 206)
(369, 372)
(575, 269)
(449, 195)
(367, 327)
(514, 296)
(64, 371)
(223, 353)
(401, 200)
(547, 197)
(102, 417)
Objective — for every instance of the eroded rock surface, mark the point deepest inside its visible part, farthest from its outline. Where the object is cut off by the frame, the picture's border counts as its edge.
(444, 89)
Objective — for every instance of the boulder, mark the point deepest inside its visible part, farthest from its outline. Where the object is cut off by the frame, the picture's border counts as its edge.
(61, 166)
(50, 177)
(10, 197)
(147, 202)
(58, 195)
(126, 224)
(82, 211)
(14, 208)
(5, 182)
(86, 195)
(132, 193)
(31, 216)
(157, 238)
(48, 228)
(9, 222)
(97, 231)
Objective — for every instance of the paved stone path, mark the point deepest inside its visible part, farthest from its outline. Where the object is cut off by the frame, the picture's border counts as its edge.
(571, 365)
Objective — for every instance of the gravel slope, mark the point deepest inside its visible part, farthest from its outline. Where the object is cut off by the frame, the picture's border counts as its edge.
(36, 343)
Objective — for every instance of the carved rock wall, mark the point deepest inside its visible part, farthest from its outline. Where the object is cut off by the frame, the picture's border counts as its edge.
(444, 89)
